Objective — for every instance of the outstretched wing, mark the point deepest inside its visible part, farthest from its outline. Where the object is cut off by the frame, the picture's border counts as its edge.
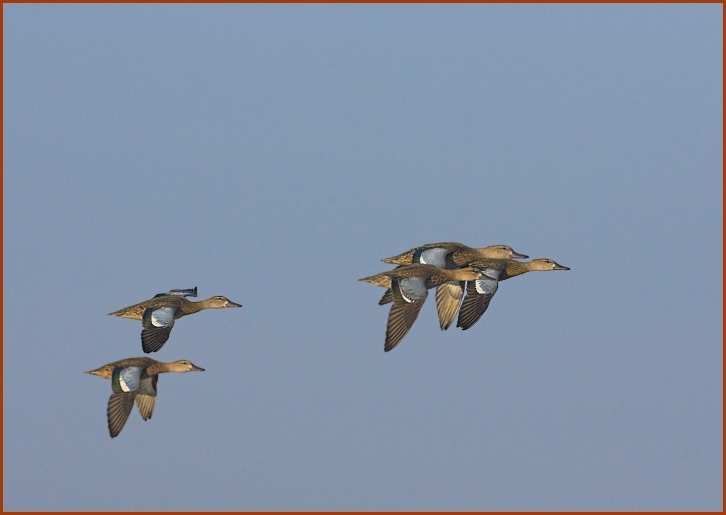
(157, 323)
(146, 396)
(118, 410)
(408, 297)
(432, 256)
(448, 298)
(184, 292)
(478, 295)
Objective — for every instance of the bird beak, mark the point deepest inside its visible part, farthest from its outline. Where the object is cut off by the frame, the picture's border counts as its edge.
(231, 304)
(197, 369)
(517, 255)
(560, 267)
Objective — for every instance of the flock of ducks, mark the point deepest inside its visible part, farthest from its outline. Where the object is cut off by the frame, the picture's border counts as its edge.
(134, 379)
(453, 269)
(465, 279)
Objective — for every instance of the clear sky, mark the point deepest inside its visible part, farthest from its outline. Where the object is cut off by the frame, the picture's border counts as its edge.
(274, 154)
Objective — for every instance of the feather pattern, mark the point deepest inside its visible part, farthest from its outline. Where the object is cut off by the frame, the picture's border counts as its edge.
(478, 295)
(157, 325)
(146, 404)
(435, 256)
(135, 380)
(412, 289)
(126, 379)
(448, 298)
(185, 292)
(409, 288)
(158, 314)
(402, 316)
(118, 410)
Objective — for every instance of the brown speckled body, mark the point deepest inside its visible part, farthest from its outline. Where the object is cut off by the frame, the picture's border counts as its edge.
(433, 274)
(408, 298)
(460, 254)
(184, 306)
(121, 401)
(152, 366)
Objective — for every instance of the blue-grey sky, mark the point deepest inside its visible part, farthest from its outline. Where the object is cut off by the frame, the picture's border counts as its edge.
(274, 154)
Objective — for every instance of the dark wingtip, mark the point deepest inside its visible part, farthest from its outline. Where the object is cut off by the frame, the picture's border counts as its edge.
(150, 344)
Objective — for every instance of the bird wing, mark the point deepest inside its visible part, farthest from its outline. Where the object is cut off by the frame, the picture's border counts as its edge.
(411, 289)
(184, 292)
(432, 256)
(407, 303)
(146, 396)
(157, 323)
(448, 298)
(118, 410)
(125, 379)
(478, 295)
(387, 298)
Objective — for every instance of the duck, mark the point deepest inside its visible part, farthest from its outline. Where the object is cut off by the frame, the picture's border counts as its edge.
(136, 312)
(135, 379)
(159, 313)
(409, 285)
(479, 292)
(450, 255)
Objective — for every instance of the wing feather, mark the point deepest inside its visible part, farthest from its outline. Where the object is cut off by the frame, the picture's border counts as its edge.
(448, 298)
(478, 295)
(118, 410)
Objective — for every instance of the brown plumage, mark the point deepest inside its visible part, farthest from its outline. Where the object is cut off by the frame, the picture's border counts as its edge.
(185, 307)
(458, 254)
(135, 379)
(479, 293)
(158, 314)
(409, 285)
(448, 255)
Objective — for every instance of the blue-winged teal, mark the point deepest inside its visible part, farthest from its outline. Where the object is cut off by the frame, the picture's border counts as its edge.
(134, 379)
(136, 312)
(158, 314)
(480, 292)
(451, 254)
(448, 255)
(409, 285)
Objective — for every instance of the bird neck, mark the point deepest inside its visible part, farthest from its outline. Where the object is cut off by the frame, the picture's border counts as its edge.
(516, 268)
(189, 307)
